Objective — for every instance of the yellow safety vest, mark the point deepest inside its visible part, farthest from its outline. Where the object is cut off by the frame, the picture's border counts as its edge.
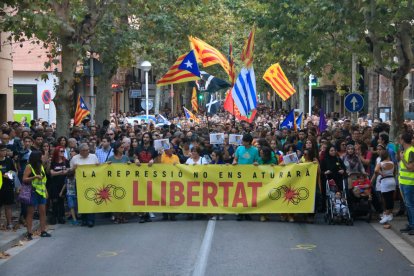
(406, 177)
(1, 180)
(39, 185)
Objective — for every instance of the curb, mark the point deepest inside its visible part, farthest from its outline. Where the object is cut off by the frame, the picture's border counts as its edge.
(9, 244)
(405, 237)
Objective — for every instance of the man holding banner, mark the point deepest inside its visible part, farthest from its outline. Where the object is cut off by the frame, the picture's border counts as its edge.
(245, 155)
(85, 158)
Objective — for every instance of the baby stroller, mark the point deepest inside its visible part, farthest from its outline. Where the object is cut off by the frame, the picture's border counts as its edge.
(337, 211)
(361, 198)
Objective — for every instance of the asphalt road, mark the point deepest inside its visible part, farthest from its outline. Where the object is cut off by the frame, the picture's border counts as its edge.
(206, 247)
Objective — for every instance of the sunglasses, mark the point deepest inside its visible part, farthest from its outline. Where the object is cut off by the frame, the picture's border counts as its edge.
(62, 151)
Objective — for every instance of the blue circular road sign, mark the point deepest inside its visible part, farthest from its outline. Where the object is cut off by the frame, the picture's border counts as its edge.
(354, 102)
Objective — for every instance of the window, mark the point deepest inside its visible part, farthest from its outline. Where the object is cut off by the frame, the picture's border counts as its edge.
(25, 98)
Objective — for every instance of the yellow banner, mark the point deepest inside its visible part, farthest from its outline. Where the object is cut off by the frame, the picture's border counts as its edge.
(196, 189)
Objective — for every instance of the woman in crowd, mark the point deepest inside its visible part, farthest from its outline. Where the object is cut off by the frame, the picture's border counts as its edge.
(63, 142)
(341, 147)
(58, 170)
(117, 158)
(35, 175)
(196, 158)
(353, 165)
(364, 154)
(217, 157)
(385, 182)
(132, 149)
(266, 157)
(333, 170)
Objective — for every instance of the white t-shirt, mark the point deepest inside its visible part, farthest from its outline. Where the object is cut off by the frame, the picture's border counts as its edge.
(201, 161)
(79, 160)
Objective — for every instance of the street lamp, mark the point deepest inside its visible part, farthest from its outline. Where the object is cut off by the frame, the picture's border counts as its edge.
(310, 94)
(146, 66)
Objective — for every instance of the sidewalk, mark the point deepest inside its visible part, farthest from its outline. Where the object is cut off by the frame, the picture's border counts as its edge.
(398, 223)
(9, 238)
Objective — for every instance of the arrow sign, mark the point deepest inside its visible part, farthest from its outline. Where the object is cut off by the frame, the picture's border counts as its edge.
(354, 102)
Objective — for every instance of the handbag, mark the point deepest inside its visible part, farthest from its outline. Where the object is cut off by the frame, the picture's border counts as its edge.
(25, 195)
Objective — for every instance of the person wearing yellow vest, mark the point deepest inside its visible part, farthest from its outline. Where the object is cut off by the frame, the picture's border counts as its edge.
(35, 175)
(406, 179)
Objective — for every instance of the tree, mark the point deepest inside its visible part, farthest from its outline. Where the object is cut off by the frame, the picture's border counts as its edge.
(66, 28)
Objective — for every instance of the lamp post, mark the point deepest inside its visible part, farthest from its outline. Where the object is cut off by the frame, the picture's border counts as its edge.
(310, 94)
(146, 66)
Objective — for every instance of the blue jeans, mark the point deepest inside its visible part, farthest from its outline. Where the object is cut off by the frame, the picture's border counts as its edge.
(408, 194)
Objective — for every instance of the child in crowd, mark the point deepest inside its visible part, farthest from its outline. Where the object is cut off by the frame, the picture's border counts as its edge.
(361, 186)
(341, 208)
(70, 186)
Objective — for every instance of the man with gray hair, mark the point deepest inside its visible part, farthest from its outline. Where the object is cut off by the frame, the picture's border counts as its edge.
(84, 158)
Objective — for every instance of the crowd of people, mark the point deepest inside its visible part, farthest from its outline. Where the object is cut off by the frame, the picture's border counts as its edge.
(357, 158)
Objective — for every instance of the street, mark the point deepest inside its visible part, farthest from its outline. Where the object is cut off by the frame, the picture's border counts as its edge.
(222, 247)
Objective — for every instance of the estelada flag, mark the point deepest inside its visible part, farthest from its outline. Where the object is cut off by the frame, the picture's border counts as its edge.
(276, 78)
(184, 69)
(190, 116)
(208, 55)
(247, 53)
(81, 111)
(231, 107)
(194, 101)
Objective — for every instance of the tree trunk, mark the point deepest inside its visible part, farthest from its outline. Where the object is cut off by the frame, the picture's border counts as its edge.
(65, 108)
(104, 95)
(399, 82)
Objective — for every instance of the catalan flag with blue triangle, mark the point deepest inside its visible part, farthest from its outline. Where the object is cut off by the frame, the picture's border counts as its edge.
(289, 122)
(190, 116)
(81, 111)
(299, 121)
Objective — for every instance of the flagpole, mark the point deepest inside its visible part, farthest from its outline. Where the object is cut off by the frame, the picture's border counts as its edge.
(172, 99)
(208, 128)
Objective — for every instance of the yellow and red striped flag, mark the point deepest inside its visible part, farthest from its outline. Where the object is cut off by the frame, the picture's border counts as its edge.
(81, 111)
(176, 75)
(275, 77)
(208, 55)
(194, 101)
(247, 53)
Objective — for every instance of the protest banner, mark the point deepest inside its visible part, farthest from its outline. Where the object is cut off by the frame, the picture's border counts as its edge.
(196, 189)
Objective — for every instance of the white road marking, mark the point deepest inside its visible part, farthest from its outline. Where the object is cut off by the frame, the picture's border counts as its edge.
(202, 258)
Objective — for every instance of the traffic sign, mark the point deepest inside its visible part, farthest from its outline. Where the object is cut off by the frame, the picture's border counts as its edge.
(46, 96)
(144, 104)
(354, 102)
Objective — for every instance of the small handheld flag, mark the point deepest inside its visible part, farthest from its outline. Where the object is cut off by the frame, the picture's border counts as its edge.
(322, 122)
(190, 116)
(299, 121)
(289, 122)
